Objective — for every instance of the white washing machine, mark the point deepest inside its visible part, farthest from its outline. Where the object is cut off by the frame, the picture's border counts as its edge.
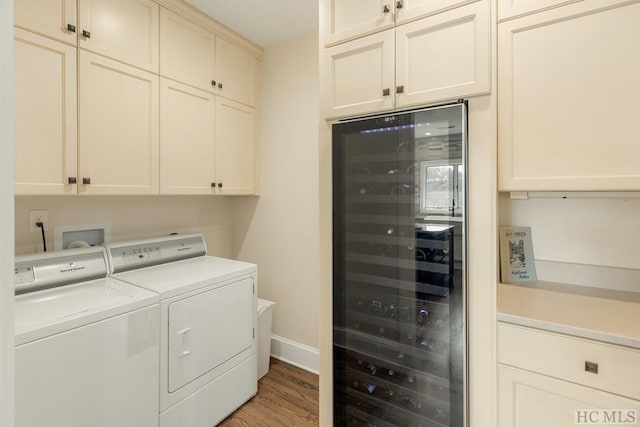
(208, 356)
(86, 345)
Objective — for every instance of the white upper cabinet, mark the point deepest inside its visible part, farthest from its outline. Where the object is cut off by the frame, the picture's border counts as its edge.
(187, 151)
(46, 112)
(349, 19)
(235, 73)
(408, 10)
(118, 128)
(124, 30)
(360, 75)
(568, 91)
(235, 148)
(443, 56)
(438, 58)
(52, 18)
(187, 52)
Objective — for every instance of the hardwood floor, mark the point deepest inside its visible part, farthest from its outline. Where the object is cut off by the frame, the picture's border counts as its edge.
(287, 396)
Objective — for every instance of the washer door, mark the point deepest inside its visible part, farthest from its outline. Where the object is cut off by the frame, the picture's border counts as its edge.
(207, 329)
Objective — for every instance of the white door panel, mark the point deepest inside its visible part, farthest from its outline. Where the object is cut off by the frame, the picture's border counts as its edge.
(46, 115)
(208, 329)
(101, 375)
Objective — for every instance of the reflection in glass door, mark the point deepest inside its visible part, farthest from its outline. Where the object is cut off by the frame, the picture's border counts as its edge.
(399, 269)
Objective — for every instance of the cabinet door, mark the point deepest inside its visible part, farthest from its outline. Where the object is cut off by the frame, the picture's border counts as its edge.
(118, 124)
(46, 115)
(354, 18)
(527, 399)
(235, 148)
(52, 18)
(187, 157)
(187, 52)
(235, 73)
(407, 10)
(360, 75)
(567, 98)
(124, 30)
(510, 8)
(444, 57)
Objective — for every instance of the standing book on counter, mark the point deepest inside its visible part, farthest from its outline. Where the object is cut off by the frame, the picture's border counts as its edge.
(516, 255)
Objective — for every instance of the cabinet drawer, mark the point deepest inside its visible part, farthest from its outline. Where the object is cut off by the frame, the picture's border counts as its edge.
(564, 357)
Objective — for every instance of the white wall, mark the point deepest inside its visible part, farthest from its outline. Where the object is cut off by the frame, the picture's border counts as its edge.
(582, 240)
(6, 212)
(279, 230)
(131, 217)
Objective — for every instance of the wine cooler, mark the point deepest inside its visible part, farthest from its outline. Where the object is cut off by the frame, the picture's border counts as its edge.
(399, 335)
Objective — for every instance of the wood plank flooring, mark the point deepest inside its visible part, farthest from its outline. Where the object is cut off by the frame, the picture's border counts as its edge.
(287, 396)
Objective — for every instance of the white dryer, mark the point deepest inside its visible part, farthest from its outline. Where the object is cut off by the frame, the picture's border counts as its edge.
(86, 345)
(208, 356)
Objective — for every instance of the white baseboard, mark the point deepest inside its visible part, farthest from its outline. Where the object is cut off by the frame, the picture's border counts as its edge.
(296, 354)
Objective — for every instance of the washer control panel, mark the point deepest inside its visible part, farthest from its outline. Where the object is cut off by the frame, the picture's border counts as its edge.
(140, 255)
(24, 274)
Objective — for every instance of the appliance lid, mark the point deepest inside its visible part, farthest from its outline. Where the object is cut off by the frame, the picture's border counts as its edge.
(52, 269)
(125, 256)
(47, 312)
(187, 275)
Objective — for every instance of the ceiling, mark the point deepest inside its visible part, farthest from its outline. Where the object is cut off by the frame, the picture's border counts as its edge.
(265, 22)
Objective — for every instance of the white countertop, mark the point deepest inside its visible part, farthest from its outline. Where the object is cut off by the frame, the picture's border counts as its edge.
(593, 313)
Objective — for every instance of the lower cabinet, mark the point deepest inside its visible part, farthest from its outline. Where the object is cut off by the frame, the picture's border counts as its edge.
(528, 399)
(118, 128)
(555, 380)
(46, 115)
(235, 148)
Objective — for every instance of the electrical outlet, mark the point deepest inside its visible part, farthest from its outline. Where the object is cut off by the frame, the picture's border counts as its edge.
(38, 215)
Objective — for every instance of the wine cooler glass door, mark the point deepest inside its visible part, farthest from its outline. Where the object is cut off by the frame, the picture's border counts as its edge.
(399, 269)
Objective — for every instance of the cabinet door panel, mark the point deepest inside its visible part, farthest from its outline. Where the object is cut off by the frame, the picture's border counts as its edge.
(124, 30)
(358, 72)
(567, 98)
(49, 18)
(118, 124)
(413, 9)
(46, 115)
(526, 399)
(511, 8)
(444, 57)
(187, 52)
(187, 157)
(235, 147)
(350, 19)
(235, 73)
